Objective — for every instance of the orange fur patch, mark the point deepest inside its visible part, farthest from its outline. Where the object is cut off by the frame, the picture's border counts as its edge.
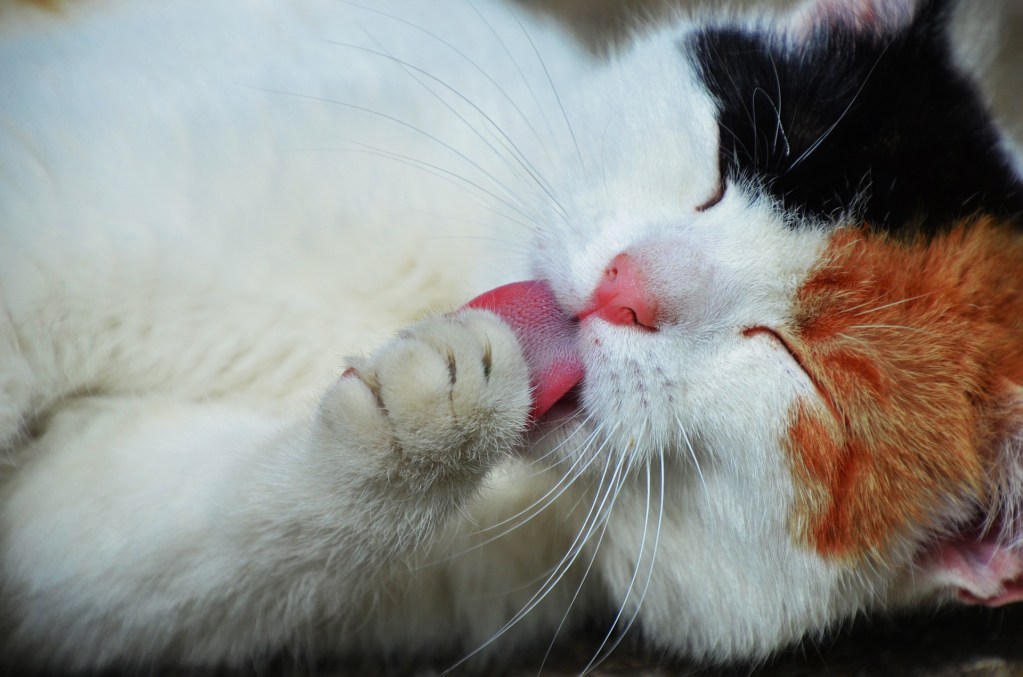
(911, 345)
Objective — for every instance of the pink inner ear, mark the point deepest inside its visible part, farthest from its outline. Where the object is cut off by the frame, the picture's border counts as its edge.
(981, 571)
(868, 16)
(546, 333)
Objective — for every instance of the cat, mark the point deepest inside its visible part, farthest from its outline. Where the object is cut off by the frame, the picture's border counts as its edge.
(766, 375)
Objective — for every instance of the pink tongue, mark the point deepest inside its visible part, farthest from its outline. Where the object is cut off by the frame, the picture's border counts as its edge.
(547, 336)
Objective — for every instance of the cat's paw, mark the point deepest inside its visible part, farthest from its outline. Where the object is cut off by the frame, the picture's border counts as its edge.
(445, 399)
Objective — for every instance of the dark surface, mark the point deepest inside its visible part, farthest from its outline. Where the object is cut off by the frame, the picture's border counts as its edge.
(956, 642)
(951, 643)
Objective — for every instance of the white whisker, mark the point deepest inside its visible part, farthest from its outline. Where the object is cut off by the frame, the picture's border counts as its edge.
(823, 137)
(417, 130)
(892, 326)
(511, 149)
(509, 245)
(592, 520)
(597, 657)
(540, 504)
(777, 108)
(522, 77)
(692, 455)
(604, 519)
(557, 447)
(520, 518)
(653, 559)
(465, 57)
(440, 172)
(889, 305)
(554, 91)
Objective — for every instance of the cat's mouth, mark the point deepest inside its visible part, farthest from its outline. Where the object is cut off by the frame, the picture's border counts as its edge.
(566, 407)
(548, 336)
(982, 564)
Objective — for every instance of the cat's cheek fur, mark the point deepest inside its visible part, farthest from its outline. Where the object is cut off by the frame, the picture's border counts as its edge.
(747, 586)
(911, 346)
(707, 402)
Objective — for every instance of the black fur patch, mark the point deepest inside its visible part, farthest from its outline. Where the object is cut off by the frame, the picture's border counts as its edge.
(879, 126)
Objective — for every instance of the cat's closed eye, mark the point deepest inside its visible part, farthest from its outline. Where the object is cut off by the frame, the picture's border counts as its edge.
(715, 198)
(776, 337)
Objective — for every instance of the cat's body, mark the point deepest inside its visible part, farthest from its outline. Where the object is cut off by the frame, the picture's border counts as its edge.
(204, 209)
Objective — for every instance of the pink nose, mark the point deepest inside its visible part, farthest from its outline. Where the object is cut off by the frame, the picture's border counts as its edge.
(622, 297)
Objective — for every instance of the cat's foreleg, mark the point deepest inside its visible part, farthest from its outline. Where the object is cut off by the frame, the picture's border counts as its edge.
(150, 530)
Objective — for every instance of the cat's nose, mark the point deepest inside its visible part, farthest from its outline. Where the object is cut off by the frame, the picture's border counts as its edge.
(622, 296)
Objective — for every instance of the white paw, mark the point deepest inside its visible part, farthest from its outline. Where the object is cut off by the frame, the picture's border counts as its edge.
(447, 397)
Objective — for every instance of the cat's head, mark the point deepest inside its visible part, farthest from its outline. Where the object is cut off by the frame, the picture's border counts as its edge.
(796, 248)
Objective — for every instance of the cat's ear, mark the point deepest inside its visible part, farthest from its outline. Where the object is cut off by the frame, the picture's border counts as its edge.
(880, 17)
(984, 565)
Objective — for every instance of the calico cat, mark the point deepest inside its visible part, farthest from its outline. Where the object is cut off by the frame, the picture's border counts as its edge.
(766, 375)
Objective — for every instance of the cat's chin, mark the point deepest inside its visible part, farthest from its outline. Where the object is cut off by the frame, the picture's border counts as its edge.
(557, 423)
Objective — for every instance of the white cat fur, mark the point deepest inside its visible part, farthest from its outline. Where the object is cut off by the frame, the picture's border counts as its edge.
(205, 206)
